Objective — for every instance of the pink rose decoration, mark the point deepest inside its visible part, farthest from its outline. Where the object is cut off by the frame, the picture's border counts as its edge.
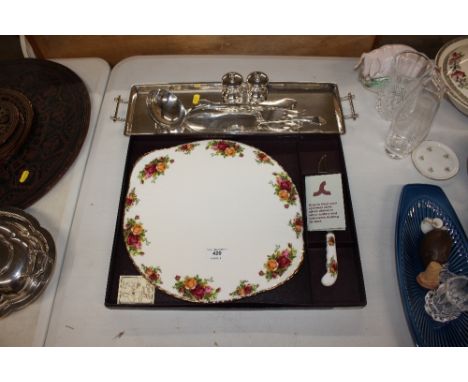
(150, 169)
(133, 240)
(198, 292)
(283, 262)
(285, 253)
(285, 185)
(222, 145)
(458, 74)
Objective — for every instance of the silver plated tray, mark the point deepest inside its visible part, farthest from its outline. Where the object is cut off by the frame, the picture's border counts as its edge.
(313, 99)
(27, 257)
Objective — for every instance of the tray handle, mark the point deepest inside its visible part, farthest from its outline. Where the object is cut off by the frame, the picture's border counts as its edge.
(349, 97)
(118, 100)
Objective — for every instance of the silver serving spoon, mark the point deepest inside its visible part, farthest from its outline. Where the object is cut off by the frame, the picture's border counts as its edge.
(165, 108)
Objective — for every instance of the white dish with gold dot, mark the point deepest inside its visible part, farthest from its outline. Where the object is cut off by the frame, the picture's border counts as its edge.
(213, 221)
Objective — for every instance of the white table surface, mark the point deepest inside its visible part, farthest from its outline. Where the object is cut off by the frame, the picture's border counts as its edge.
(79, 316)
(28, 327)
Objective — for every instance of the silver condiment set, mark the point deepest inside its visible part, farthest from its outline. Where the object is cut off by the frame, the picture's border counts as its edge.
(235, 91)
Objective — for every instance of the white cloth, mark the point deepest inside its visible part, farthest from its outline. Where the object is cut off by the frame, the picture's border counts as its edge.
(378, 62)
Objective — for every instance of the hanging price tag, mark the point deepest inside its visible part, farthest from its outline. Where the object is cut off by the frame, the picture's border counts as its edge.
(325, 206)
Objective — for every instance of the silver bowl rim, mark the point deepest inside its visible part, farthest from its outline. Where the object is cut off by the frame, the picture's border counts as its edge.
(7, 301)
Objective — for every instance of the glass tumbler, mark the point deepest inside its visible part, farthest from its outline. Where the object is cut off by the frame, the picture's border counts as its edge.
(447, 302)
(412, 121)
(408, 69)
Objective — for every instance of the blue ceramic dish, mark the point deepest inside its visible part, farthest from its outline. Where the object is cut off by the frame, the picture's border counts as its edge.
(418, 201)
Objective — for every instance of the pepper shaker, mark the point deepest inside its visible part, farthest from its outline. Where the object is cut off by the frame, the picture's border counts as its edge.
(258, 87)
(232, 88)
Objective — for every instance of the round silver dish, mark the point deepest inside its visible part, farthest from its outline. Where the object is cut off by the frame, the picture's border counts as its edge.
(27, 258)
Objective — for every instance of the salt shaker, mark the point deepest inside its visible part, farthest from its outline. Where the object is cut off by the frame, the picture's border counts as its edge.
(232, 88)
(258, 87)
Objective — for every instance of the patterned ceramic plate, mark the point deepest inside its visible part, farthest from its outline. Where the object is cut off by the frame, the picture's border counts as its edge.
(452, 59)
(419, 201)
(213, 221)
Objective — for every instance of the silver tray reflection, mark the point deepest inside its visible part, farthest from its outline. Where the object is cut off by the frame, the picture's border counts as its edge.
(27, 257)
(313, 99)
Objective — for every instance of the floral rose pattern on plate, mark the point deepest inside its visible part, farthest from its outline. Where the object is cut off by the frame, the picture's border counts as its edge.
(155, 168)
(145, 218)
(153, 274)
(225, 148)
(262, 158)
(135, 236)
(278, 262)
(297, 224)
(131, 199)
(332, 267)
(244, 289)
(187, 148)
(455, 72)
(195, 288)
(285, 189)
